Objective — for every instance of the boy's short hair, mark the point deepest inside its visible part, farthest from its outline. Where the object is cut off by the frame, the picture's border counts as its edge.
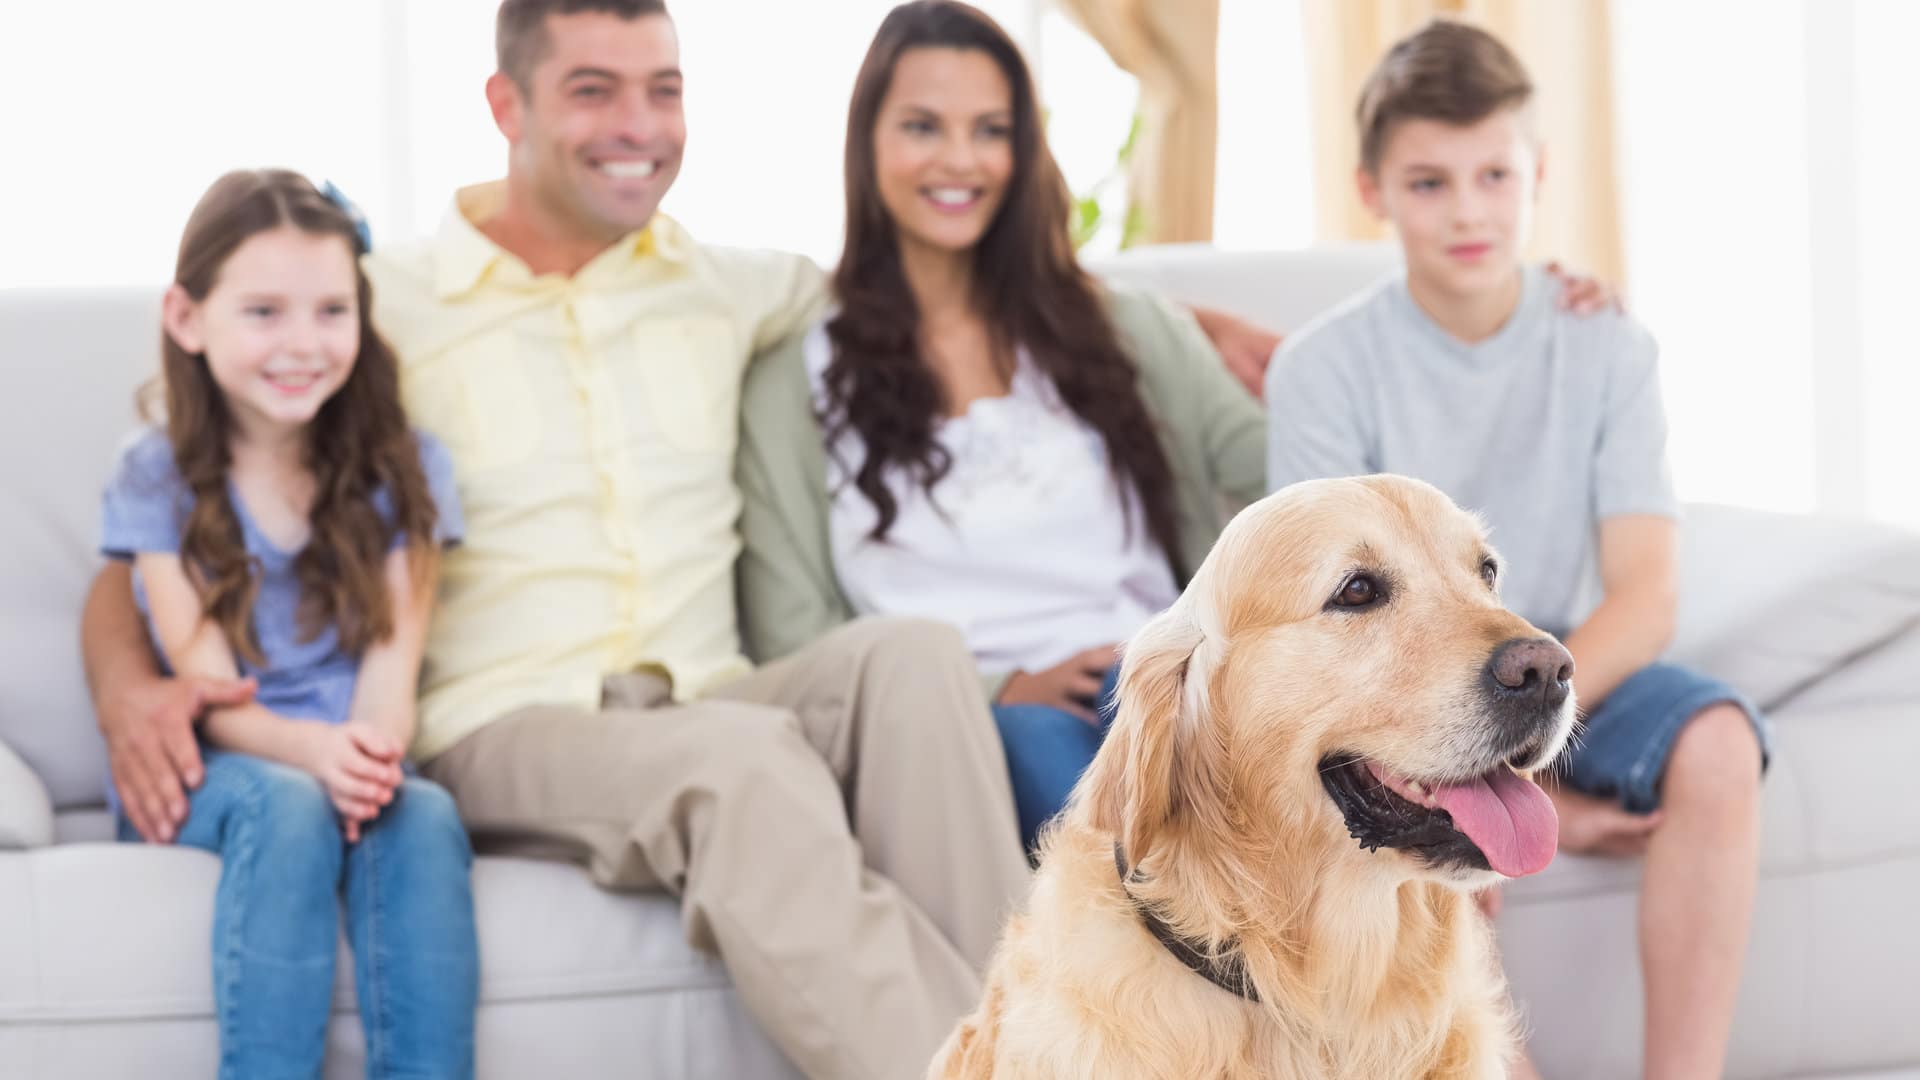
(520, 30)
(1447, 71)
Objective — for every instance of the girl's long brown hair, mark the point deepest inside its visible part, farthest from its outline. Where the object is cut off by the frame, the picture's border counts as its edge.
(1027, 284)
(358, 444)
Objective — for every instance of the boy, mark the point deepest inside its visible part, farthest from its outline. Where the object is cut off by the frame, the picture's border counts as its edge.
(1462, 373)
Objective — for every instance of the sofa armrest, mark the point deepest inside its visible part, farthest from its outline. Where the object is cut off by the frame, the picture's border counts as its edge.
(1773, 603)
(26, 810)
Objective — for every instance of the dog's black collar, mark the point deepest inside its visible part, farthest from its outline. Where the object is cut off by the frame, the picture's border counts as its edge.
(1228, 971)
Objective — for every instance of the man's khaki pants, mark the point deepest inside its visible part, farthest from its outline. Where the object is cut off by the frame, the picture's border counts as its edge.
(856, 955)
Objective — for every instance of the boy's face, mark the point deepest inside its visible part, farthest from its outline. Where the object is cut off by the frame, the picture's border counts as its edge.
(1461, 198)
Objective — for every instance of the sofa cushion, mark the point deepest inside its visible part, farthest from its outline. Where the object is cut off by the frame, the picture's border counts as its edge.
(73, 948)
(1826, 988)
(105, 970)
(1775, 603)
(1884, 673)
(26, 812)
(1837, 794)
(75, 359)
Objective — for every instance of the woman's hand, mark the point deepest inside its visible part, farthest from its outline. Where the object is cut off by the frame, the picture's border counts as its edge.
(1584, 295)
(1244, 348)
(1072, 686)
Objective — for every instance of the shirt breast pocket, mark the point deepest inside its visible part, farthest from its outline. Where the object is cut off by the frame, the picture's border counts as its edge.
(499, 405)
(690, 376)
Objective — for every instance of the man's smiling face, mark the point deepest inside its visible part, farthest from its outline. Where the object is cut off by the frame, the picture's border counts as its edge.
(597, 128)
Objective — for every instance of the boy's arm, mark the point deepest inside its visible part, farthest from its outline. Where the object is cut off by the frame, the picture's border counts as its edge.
(194, 645)
(1635, 504)
(1315, 421)
(386, 693)
(1635, 619)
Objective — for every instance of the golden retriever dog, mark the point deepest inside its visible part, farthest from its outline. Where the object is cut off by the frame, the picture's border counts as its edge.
(1320, 751)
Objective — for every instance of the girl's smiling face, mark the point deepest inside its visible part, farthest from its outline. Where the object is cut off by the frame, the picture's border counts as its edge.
(279, 330)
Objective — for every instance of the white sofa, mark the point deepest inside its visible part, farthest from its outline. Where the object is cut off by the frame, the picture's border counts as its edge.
(103, 949)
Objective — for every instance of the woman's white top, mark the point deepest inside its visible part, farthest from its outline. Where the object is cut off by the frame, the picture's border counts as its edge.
(1027, 544)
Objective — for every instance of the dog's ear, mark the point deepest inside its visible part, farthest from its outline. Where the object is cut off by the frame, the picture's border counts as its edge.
(1157, 762)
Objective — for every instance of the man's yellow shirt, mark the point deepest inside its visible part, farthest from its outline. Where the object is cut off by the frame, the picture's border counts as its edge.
(592, 422)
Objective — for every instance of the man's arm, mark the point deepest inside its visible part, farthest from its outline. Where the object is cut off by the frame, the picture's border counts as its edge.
(789, 293)
(196, 647)
(1635, 619)
(146, 719)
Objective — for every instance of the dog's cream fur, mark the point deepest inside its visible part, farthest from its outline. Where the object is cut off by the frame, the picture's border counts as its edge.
(1368, 964)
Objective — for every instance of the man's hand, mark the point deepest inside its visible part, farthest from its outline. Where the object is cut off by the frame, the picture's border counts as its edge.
(1246, 349)
(1590, 826)
(151, 751)
(1070, 686)
(359, 765)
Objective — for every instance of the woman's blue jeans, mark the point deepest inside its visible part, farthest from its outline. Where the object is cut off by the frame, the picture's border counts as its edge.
(1047, 750)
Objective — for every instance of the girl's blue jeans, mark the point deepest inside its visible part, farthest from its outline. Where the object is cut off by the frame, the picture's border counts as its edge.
(286, 874)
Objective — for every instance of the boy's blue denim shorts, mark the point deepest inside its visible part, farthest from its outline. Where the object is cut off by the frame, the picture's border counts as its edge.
(1624, 744)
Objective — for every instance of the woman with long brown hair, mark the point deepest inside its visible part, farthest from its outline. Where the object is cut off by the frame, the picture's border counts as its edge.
(283, 522)
(981, 432)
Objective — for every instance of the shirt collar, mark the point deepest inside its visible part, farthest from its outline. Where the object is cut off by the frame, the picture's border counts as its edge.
(465, 257)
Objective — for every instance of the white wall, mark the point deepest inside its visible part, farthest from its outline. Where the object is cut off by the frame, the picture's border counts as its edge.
(1768, 159)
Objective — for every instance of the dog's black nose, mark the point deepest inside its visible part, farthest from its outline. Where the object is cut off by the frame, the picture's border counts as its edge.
(1532, 669)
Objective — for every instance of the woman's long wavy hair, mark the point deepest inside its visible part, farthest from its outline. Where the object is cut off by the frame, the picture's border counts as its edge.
(1026, 281)
(359, 442)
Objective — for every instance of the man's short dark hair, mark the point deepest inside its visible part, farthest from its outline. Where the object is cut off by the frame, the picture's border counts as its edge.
(520, 30)
(1446, 71)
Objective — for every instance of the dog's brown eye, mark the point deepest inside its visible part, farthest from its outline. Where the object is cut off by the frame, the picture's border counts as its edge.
(1359, 591)
(1490, 572)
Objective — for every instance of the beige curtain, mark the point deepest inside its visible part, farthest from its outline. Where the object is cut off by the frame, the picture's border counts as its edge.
(1567, 47)
(1170, 46)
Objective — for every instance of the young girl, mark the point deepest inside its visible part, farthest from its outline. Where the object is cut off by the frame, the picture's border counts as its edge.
(1001, 442)
(284, 524)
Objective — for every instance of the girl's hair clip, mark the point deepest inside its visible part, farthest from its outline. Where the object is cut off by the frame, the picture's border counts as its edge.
(339, 198)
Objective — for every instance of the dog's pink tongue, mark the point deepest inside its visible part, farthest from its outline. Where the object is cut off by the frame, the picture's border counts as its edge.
(1509, 818)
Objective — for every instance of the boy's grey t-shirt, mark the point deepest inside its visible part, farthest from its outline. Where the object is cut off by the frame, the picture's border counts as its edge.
(1546, 428)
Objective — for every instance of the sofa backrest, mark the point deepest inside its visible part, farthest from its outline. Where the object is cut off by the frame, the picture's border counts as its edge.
(73, 358)
(1281, 290)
